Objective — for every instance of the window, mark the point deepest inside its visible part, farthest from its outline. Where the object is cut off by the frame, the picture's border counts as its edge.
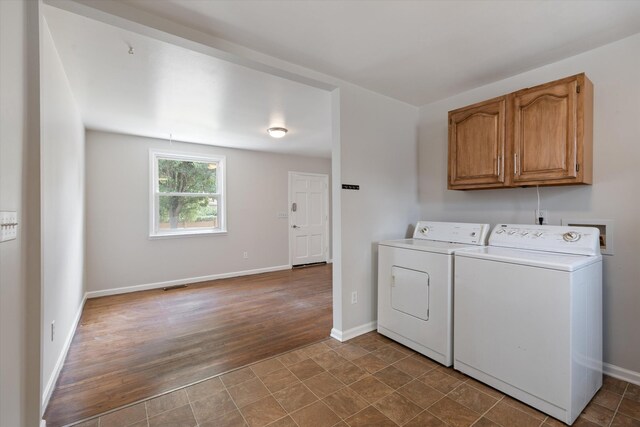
(187, 194)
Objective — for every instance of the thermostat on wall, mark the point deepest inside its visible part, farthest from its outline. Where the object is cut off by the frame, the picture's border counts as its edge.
(606, 231)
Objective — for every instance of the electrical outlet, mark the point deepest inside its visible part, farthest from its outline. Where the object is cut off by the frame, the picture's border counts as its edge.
(245, 254)
(53, 330)
(542, 213)
(354, 297)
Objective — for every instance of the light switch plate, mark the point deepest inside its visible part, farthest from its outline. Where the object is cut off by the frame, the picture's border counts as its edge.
(8, 225)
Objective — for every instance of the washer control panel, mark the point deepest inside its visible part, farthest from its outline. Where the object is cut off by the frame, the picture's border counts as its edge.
(452, 232)
(548, 238)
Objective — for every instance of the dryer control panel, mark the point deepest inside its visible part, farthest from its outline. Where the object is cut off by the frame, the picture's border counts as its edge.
(452, 232)
(547, 238)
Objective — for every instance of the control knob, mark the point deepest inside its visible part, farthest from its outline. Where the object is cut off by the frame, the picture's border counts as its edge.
(571, 236)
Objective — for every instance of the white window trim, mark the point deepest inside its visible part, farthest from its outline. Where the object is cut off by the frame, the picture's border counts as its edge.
(154, 232)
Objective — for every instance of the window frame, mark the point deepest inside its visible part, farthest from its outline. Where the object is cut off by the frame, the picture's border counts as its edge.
(154, 194)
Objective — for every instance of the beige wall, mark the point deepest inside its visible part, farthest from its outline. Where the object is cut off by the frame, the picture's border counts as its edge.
(119, 251)
(613, 69)
(374, 145)
(378, 152)
(19, 191)
(62, 169)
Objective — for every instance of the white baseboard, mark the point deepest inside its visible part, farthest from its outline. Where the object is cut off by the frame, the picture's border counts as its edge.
(46, 394)
(43, 423)
(353, 332)
(621, 373)
(136, 288)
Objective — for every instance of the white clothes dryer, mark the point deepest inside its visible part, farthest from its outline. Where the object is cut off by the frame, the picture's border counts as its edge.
(528, 315)
(415, 285)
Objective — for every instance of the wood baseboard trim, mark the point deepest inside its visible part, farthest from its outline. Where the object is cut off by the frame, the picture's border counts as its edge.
(621, 373)
(168, 283)
(51, 383)
(353, 332)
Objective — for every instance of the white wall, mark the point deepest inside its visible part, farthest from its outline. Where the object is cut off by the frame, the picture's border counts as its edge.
(378, 138)
(613, 69)
(119, 251)
(19, 191)
(62, 169)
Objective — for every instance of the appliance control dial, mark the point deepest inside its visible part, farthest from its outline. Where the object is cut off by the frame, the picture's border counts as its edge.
(424, 230)
(571, 236)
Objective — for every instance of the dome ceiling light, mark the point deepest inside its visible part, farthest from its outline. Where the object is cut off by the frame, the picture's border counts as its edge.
(277, 132)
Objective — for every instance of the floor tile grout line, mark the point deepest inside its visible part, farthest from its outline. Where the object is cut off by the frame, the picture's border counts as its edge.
(348, 385)
(226, 389)
(410, 355)
(190, 406)
(488, 410)
(626, 387)
(318, 397)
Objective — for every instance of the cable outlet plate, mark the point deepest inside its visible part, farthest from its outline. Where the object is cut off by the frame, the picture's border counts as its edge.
(541, 213)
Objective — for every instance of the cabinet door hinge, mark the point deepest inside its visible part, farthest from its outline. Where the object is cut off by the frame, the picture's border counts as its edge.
(577, 167)
(578, 89)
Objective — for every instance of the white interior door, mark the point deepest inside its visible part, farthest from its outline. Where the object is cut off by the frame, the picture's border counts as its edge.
(308, 217)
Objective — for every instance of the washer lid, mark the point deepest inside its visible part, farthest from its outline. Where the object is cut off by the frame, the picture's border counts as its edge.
(549, 260)
(427, 245)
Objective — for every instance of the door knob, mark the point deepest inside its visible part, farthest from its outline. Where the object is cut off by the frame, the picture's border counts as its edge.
(294, 226)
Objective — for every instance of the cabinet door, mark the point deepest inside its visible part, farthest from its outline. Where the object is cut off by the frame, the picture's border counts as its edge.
(545, 133)
(476, 145)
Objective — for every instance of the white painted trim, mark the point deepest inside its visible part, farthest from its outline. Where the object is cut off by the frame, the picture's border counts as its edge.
(621, 373)
(136, 288)
(43, 423)
(46, 395)
(353, 332)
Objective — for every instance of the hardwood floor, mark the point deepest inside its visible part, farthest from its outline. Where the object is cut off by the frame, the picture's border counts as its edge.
(133, 346)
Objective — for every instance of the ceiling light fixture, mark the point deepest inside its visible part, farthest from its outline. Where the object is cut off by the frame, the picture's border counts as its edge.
(277, 132)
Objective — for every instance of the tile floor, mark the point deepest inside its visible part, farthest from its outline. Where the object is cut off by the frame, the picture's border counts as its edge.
(368, 381)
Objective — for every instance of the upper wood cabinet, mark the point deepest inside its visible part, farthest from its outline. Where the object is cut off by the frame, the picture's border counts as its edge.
(476, 145)
(535, 136)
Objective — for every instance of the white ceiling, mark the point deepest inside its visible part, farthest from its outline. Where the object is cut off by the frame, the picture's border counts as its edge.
(164, 89)
(415, 51)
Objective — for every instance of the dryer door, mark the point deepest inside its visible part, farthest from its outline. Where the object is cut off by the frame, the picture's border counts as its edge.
(410, 292)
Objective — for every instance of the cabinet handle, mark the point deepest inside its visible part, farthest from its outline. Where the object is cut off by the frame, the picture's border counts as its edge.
(515, 164)
(499, 164)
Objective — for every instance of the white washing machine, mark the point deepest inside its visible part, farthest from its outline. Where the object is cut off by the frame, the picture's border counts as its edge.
(415, 285)
(528, 315)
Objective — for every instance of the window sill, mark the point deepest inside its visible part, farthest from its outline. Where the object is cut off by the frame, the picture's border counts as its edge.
(190, 233)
